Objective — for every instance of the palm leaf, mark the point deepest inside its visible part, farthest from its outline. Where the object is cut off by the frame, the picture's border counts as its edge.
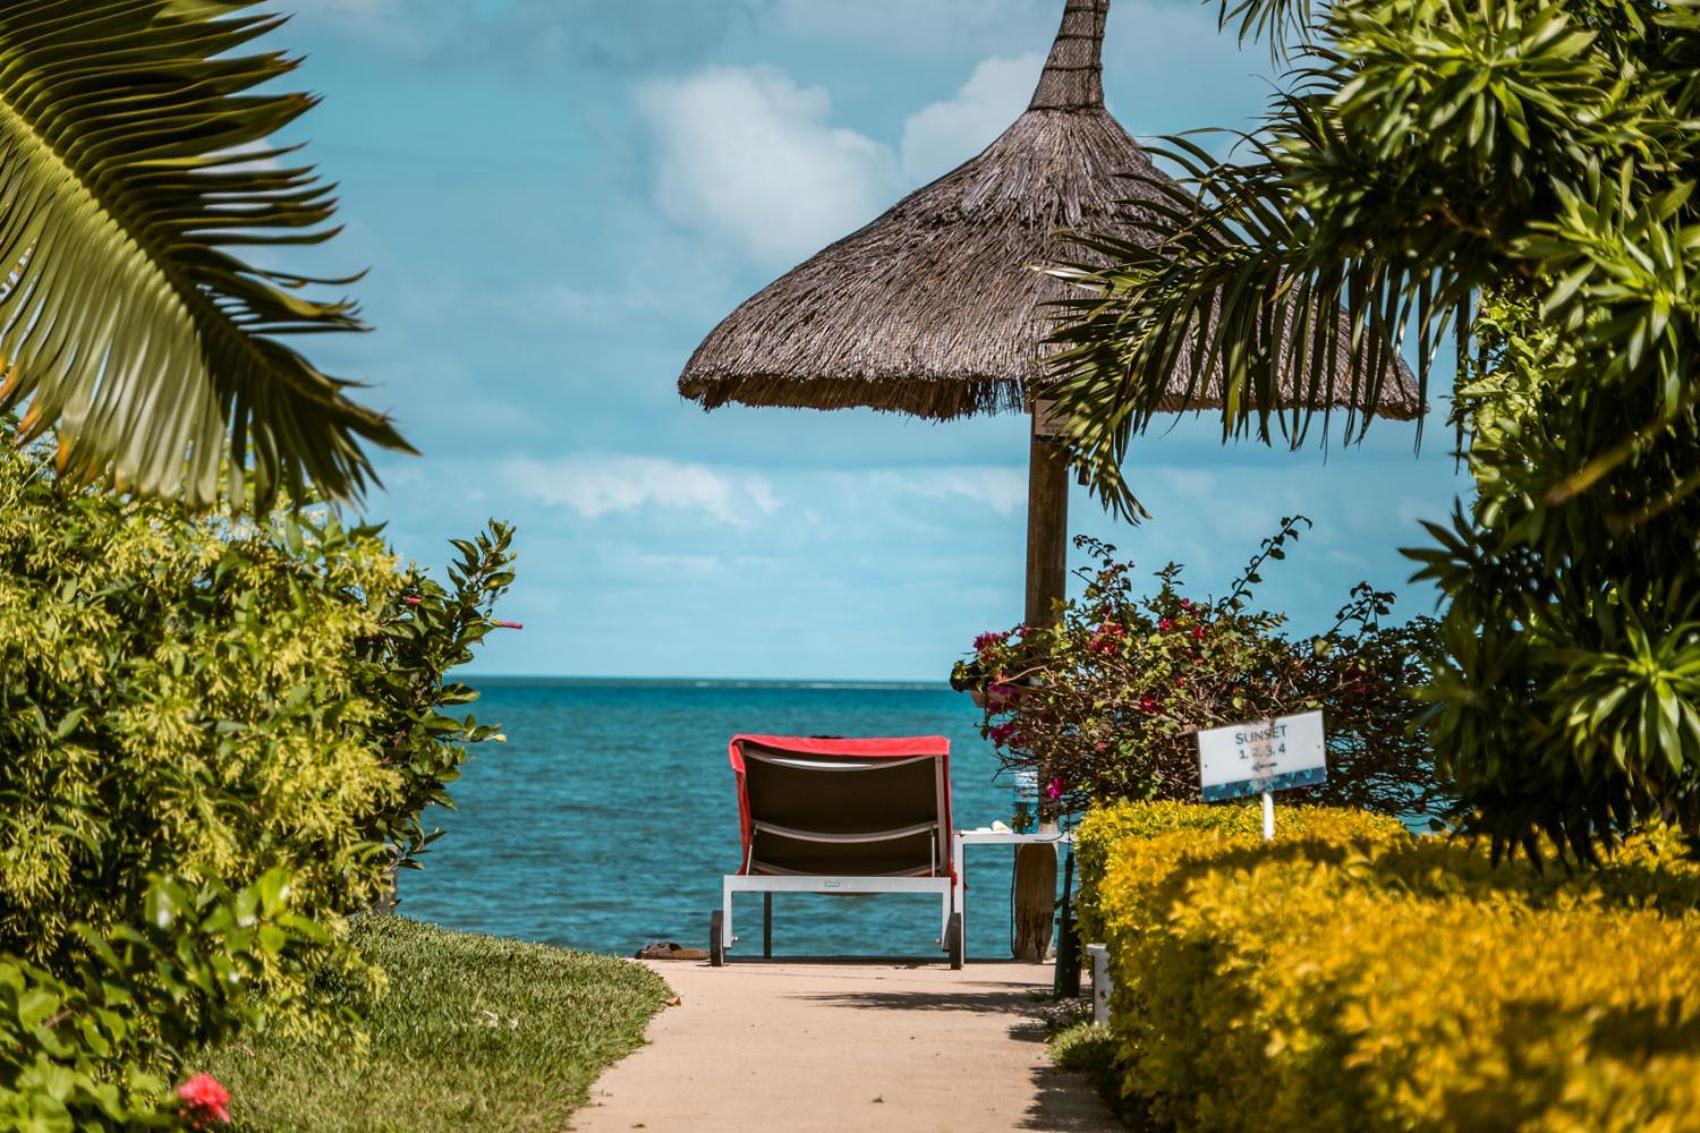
(129, 323)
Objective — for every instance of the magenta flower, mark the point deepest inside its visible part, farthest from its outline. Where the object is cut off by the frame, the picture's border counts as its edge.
(1053, 789)
(988, 640)
(1005, 733)
(1166, 624)
(509, 625)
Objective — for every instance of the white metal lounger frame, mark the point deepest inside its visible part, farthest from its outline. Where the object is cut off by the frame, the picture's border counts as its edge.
(939, 884)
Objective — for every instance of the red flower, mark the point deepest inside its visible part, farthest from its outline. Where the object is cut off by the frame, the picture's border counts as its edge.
(988, 639)
(1148, 705)
(1186, 604)
(1053, 789)
(1108, 638)
(411, 601)
(1198, 633)
(1166, 623)
(206, 1100)
(509, 625)
(1007, 732)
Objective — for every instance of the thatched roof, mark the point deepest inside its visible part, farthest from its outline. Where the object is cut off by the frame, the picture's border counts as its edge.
(935, 308)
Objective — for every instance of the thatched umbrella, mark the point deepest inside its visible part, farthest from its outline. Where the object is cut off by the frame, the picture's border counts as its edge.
(934, 309)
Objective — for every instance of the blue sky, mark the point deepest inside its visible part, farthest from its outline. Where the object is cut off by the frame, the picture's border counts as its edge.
(557, 199)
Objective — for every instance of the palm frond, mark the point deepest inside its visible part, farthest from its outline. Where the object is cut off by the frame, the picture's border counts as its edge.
(1228, 285)
(129, 322)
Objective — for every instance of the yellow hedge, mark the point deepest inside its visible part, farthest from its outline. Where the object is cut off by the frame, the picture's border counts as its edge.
(1352, 978)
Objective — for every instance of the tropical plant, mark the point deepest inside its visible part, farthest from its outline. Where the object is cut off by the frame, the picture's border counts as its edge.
(232, 711)
(1428, 162)
(135, 174)
(1105, 704)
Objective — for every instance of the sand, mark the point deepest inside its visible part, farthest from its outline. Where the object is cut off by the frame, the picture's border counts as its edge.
(823, 1047)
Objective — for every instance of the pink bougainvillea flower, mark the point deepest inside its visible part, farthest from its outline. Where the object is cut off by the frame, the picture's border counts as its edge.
(1198, 633)
(1148, 704)
(1053, 789)
(205, 1099)
(411, 601)
(1006, 733)
(1166, 624)
(509, 625)
(989, 639)
(1186, 604)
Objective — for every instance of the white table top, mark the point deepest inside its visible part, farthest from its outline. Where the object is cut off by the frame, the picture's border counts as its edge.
(986, 834)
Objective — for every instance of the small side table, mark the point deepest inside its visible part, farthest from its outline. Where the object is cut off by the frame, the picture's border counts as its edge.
(986, 836)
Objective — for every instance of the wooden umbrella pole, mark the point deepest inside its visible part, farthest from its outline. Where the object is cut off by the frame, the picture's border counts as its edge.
(1047, 579)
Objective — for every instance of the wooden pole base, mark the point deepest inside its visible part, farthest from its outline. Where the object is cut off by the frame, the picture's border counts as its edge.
(1035, 900)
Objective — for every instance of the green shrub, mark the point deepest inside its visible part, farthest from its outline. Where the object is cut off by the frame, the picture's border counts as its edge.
(1105, 704)
(1350, 977)
(96, 1048)
(196, 705)
(189, 697)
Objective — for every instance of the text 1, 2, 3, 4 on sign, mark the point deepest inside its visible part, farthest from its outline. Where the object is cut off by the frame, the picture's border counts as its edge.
(1262, 756)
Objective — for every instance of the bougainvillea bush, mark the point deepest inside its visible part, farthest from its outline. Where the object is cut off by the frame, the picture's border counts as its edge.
(1105, 704)
(197, 704)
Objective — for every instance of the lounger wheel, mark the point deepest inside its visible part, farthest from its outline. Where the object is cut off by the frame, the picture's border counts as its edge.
(953, 940)
(716, 941)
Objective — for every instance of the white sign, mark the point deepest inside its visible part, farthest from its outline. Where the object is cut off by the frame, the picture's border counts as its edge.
(1262, 756)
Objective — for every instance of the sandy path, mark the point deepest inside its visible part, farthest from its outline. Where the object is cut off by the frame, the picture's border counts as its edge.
(844, 1046)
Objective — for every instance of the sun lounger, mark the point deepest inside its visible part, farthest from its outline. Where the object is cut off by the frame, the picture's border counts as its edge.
(841, 816)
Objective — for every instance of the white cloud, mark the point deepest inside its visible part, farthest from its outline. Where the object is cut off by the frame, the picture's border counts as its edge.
(751, 156)
(942, 136)
(595, 486)
(1001, 488)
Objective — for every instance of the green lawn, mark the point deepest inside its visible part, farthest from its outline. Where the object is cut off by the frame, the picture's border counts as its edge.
(476, 1033)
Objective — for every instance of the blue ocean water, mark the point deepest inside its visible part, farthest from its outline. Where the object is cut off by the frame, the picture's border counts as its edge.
(610, 815)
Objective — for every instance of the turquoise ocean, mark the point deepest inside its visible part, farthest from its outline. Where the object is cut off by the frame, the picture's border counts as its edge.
(610, 814)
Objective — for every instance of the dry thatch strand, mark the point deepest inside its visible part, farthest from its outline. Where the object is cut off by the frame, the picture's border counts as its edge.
(938, 308)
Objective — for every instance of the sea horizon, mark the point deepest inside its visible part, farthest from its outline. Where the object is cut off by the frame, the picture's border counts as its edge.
(580, 681)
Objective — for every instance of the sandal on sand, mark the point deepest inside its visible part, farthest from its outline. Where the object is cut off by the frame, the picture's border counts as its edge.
(668, 950)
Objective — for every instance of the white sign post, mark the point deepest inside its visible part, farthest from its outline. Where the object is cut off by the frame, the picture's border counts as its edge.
(1263, 757)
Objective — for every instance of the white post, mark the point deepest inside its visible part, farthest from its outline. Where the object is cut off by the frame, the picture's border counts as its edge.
(1100, 982)
(1269, 816)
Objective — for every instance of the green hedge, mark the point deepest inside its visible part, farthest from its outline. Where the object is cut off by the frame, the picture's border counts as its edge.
(1350, 977)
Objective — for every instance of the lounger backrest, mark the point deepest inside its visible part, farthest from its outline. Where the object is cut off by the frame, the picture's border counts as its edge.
(843, 815)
